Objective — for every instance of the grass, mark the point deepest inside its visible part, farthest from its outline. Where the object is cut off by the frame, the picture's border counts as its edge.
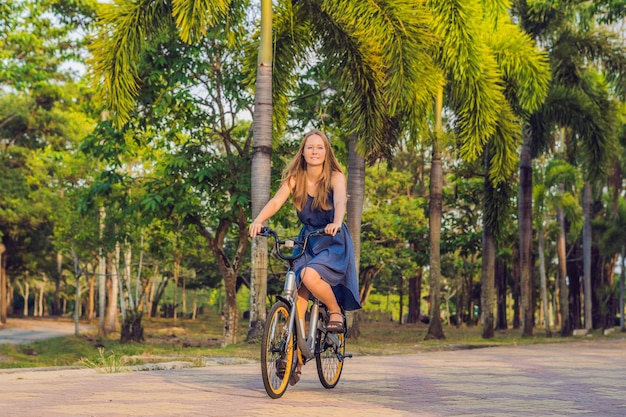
(196, 341)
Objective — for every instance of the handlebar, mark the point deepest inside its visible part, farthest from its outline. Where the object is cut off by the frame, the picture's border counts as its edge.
(268, 232)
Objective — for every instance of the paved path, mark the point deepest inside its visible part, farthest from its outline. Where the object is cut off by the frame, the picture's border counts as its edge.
(20, 331)
(583, 378)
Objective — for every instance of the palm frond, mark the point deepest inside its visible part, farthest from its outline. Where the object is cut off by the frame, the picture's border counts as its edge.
(504, 145)
(525, 69)
(123, 30)
(558, 171)
(194, 16)
(573, 108)
(292, 40)
(381, 55)
(473, 73)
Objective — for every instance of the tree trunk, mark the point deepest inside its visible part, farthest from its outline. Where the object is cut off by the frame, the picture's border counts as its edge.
(401, 295)
(515, 275)
(487, 292)
(120, 282)
(544, 284)
(91, 310)
(587, 256)
(435, 329)
(3, 284)
(231, 313)
(501, 274)
(132, 329)
(415, 294)
(356, 195)
(128, 256)
(26, 297)
(42, 290)
(566, 324)
(525, 233)
(261, 171)
(621, 291)
(56, 303)
(111, 322)
(77, 303)
(102, 294)
(176, 272)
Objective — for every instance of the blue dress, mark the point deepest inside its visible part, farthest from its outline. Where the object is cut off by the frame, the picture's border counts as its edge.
(331, 256)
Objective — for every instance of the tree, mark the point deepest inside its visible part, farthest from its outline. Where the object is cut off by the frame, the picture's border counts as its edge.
(478, 102)
(261, 170)
(581, 55)
(555, 192)
(364, 71)
(42, 108)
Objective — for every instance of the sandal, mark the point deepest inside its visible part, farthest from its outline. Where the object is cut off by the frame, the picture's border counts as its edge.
(336, 326)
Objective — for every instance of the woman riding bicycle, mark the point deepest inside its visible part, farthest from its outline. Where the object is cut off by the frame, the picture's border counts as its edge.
(327, 270)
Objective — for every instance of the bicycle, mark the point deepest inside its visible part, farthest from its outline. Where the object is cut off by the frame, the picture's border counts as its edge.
(284, 331)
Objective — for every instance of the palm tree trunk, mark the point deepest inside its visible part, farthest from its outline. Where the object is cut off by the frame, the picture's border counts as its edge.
(415, 293)
(587, 255)
(356, 191)
(544, 285)
(261, 171)
(525, 232)
(487, 292)
(566, 323)
(356, 195)
(435, 329)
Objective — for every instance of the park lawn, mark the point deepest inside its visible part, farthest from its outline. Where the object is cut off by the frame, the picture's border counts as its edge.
(196, 341)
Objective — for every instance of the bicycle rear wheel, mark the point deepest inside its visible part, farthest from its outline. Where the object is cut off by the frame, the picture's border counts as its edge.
(329, 356)
(277, 351)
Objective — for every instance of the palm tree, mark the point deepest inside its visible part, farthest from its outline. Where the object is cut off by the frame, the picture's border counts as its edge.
(526, 75)
(261, 170)
(482, 112)
(613, 242)
(555, 193)
(577, 99)
(373, 47)
(371, 50)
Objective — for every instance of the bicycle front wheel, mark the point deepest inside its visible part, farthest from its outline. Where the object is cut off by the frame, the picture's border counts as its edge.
(329, 356)
(277, 351)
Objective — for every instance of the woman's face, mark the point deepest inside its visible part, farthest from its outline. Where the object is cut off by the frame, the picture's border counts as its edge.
(314, 150)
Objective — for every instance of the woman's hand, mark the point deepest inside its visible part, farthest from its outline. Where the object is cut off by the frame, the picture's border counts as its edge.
(332, 228)
(255, 228)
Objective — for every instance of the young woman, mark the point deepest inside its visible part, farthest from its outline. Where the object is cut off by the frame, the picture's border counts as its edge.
(318, 188)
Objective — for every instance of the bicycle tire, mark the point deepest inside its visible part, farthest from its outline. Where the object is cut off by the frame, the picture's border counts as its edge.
(329, 358)
(277, 352)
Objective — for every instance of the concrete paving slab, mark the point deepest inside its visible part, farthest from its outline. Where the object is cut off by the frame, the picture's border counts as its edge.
(582, 378)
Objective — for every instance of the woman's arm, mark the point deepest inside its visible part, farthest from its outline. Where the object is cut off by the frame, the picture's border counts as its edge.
(340, 198)
(270, 208)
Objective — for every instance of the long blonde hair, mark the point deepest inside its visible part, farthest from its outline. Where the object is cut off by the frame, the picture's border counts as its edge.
(296, 170)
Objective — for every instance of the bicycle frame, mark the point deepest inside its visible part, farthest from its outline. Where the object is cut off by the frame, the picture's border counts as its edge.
(306, 343)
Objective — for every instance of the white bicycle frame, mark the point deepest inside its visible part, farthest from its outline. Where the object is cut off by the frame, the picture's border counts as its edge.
(306, 343)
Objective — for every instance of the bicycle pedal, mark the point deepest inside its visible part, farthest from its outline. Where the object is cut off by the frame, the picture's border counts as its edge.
(347, 355)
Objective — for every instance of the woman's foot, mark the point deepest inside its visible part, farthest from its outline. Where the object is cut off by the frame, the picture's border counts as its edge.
(336, 322)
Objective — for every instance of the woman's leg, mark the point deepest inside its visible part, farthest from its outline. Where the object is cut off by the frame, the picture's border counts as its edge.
(320, 290)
